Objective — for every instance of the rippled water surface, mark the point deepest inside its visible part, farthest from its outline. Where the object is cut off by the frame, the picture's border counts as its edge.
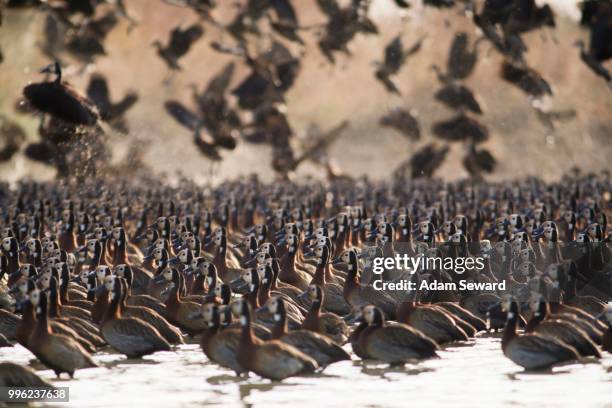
(471, 374)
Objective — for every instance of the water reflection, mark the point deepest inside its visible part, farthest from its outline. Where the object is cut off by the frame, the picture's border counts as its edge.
(476, 374)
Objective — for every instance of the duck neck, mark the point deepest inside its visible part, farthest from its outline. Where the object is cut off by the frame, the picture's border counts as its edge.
(319, 276)
(246, 337)
(252, 296)
(537, 317)
(280, 325)
(511, 324)
(311, 321)
(351, 281)
(264, 293)
(54, 303)
(287, 268)
(120, 256)
(114, 310)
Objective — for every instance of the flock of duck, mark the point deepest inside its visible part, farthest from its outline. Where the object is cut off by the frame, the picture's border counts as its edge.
(277, 279)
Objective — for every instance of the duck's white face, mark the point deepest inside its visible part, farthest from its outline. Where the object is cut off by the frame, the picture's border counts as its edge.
(208, 312)
(116, 234)
(183, 254)
(6, 244)
(218, 292)
(272, 305)
(485, 245)
(91, 245)
(158, 253)
(312, 292)
(261, 272)
(346, 257)
(109, 282)
(369, 314)
(34, 297)
(45, 281)
(168, 274)
(236, 307)
(291, 239)
(101, 272)
(31, 245)
(456, 238)
(120, 270)
(534, 301)
(23, 287)
(247, 275)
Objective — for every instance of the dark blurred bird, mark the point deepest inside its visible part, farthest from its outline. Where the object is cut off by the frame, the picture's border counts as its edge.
(220, 120)
(272, 74)
(179, 44)
(459, 128)
(270, 125)
(54, 33)
(12, 137)
(458, 97)
(43, 152)
(285, 21)
(284, 160)
(423, 163)
(403, 121)
(462, 60)
(600, 44)
(60, 100)
(343, 24)
(112, 113)
(525, 78)
(87, 41)
(395, 57)
(479, 161)
(190, 120)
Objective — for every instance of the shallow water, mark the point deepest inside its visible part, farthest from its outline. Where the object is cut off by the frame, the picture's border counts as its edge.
(471, 374)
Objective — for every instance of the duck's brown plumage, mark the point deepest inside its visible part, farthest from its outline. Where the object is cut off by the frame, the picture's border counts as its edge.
(128, 335)
(315, 345)
(60, 353)
(269, 359)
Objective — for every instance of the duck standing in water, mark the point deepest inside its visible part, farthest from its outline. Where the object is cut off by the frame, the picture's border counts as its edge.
(58, 352)
(315, 345)
(532, 351)
(272, 359)
(128, 335)
(392, 342)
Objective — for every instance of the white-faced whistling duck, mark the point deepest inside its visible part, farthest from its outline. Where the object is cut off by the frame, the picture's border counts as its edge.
(219, 344)
(541, 324)
(357, 294)
(532, 351)
(58, 352)
(272, 359)
(327, 324)
(169, 332)
(315, 345)
(177, 310)
(128, 335)
(394, 343)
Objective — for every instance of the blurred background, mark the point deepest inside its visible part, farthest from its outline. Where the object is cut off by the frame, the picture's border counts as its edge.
(324, 94)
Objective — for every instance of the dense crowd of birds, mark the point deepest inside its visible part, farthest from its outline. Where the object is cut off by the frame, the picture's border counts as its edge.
(275, 279)
(73, 129)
